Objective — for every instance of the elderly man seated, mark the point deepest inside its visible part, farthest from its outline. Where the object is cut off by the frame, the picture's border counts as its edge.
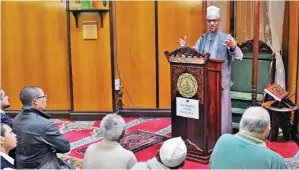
(247, 149)
(172, 155)
(109, 154)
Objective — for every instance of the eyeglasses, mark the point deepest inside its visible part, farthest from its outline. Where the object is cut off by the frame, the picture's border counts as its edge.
(212, 20)
(44, 96)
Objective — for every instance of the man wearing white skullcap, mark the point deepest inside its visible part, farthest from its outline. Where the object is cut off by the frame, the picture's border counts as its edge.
(221, 46)
(109, 154)
(213, 11)
(172, 155)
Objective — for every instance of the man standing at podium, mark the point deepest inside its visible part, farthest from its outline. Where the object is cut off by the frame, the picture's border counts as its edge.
(221, 46)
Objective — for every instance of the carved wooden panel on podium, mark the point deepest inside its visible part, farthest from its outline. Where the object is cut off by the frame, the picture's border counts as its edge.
(195, 101)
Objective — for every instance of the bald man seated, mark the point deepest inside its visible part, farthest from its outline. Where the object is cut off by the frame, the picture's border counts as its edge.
(247, 149)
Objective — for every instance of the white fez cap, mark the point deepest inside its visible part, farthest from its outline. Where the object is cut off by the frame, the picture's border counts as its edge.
(173, 152)
(213, 11)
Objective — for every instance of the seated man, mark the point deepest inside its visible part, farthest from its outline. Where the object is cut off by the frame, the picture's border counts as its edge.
(172, 155)
(4, 104)
(247, 149)
(8, 141)
(39, 138)
(109, 154)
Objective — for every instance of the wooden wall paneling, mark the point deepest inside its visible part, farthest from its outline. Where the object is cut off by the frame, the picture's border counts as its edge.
(292, 81)
(91, 64)
(34, 51)
(293, 45)
(135, 32)
(228, 16)
(204, 6)
(101, 4)
(176, 19)
(292, 69)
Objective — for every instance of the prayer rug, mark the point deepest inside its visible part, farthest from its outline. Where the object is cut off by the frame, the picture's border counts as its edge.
(81, 134)
(293, 163)
(138, 140)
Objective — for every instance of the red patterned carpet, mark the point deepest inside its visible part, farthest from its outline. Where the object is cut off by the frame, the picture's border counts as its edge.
(83, 133)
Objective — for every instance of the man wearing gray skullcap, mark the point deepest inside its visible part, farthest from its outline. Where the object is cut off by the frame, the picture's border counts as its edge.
(247, 149)
(221, 46)
(172, 155)
(109, 154)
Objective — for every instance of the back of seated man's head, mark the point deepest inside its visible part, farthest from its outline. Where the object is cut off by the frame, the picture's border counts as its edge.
(8, 139)
(113, 127)
(173, 153)
(256, 122)
(33, 96)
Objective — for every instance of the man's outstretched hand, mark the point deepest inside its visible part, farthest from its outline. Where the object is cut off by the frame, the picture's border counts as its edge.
(183, 42)
(230, 42)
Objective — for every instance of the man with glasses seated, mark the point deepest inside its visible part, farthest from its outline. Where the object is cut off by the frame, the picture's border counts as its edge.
(39, 138)
(221, 46)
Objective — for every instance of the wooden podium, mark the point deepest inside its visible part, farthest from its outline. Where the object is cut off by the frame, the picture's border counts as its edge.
(195, 101)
